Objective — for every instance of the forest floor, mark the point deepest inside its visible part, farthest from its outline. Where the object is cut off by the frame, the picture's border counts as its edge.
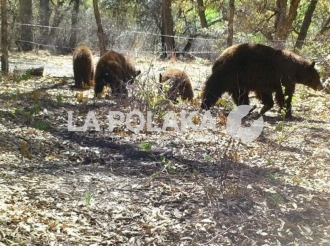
(61, 187)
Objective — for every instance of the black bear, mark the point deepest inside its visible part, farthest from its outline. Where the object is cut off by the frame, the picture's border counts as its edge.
(83, 68)
(179, 84)
(114, 70)
(254, 67)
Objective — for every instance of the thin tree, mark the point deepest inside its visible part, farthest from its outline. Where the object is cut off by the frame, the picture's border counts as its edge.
(283, 21)
(305, 24)
(100, 32)
(57, 19)
(231, 23)
(4, 38)
(44, 17)
(325, 28)
(74, 23)
(168, 27)
(25, 13)
(201, 13)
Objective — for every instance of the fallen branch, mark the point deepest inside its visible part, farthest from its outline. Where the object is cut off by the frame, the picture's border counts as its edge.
(39, 71)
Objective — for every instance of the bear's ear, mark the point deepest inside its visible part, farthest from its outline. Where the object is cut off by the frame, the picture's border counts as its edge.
(313, 64)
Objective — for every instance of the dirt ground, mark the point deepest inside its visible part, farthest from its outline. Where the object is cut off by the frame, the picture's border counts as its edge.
(61, 187)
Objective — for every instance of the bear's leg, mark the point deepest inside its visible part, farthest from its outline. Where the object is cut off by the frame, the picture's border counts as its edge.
(77, 83)
(208, 99)
(279, 96)
(92, 73)
(78, 80)
(185, 94)
(267, 100)
(86, 79)
(289, 90)
(98, 88)
(212, 91)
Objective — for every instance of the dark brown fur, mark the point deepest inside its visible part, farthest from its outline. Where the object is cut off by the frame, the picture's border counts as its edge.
(253, 67)
(83, 69)
(115, 70)
(179, 84)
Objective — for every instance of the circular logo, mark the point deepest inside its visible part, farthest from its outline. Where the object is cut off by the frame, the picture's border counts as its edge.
(237, 130)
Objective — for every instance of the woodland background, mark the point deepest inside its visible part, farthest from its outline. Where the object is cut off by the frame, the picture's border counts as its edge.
(202, 27)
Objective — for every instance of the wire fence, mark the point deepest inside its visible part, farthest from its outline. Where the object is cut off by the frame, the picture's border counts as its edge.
(143, 42)
(137, 43)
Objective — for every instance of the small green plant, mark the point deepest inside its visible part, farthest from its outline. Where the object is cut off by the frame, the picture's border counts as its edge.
(273, 199)
(19, 77)
(22, 112)
(26, 75)
(169, 165)
(279, 127)
(146, 146)
(270, 161)
(40, 125)
(59, 99)
(223, 102)
(154, 175)
(18, 111)
(294, 100)
(15, 95)
(303, 94)
(273, 178)
(207, 158)
(35, 109)
(88, 198)
(285, 132)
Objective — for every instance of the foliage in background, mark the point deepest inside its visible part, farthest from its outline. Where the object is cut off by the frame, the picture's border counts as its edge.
(135, 26)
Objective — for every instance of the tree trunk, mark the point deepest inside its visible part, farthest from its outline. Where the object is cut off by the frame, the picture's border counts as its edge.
(74, 22)
(4, 38)
(231, 23)
(283, 23)
(38, 71)
(44, 16)
(58, 16)
(281, 6)
(305, 24)
(100, 33)
(325, 27)
(168, 27)
(162, 37)
(201, 13)
(25, 13)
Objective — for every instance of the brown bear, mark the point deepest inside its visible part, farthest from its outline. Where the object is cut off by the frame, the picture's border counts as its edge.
(83, 68)
(115, 70)
(179, 84)
(254, 67)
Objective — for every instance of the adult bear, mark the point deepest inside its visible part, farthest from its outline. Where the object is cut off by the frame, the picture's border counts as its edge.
(83, 69)
(254, 67)
(179, 84)
(115, 70)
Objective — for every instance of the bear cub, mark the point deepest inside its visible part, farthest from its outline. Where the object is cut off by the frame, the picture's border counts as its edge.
(83, 68)
(180, 85)
(114, 70)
